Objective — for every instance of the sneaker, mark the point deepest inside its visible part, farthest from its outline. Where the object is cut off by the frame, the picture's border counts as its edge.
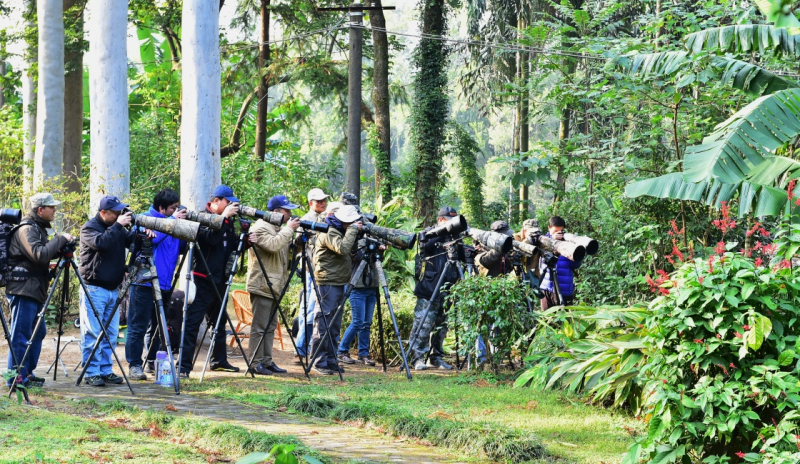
(95, 381)
(112, 378)
(324, 371)
(34, 381)
(224, 366)
(275, 369)
(260, 369)
(345, 358)
(184, 376)
(439, 364)
(136, 373)
(150, 367)
(420, 365)
(366, 360)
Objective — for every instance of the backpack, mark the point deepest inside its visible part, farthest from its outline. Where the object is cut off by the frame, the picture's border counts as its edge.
(6, 233)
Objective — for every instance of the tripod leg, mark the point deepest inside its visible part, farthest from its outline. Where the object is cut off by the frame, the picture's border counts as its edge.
(7, 333)
(62, 310)
(380, 327)
(190, 253)
(104, 326)
(428, 304)
(385, 285)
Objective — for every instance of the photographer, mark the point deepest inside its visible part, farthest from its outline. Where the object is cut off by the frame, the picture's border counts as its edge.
(362, 301)
(142, 318)
(317, 203)
(271, 243)
(104, 240)
(564, 270)
(492, 263)
(529, 263)
(30, 254)
(434, 259)
(332, 268)
(216, 246)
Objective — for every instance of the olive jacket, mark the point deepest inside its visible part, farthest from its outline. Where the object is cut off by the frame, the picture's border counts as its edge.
(332, 261)
(272, 247)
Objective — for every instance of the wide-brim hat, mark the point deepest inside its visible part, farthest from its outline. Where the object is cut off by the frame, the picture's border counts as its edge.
(317, 194)
(347, 213)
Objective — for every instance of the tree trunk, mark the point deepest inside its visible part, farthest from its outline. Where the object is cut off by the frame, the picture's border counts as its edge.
(2, 90)
(523, 61)
(569, 65)
(380, 100)
(202, 102)
(73, 108)
(50, 98)
(28, 100)
(263, 89)
(108, 101)
(430, 109)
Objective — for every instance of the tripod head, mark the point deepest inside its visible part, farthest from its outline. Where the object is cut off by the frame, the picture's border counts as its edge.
(68, 250)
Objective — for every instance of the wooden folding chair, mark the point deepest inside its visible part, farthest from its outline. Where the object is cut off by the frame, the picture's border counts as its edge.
(244, 313)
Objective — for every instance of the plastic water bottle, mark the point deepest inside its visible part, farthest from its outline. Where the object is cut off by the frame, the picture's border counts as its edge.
(161, 356)
(166, 372)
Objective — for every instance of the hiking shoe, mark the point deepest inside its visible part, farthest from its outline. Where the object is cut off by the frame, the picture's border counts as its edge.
(224, 366)
(136, 373)
(324, 371)
(275, 369)
(366, 360)
(184, 376)
(95, 381)
(260, 369)
(112, 378)
(420, 365)
(345, 358)
(150, 367)
(439, 364)
(34, 381)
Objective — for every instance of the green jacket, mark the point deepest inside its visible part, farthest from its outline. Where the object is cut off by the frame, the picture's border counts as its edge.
(332, 262)
(273, 249)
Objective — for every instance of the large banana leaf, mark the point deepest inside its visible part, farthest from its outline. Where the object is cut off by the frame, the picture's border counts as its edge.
(745, 38)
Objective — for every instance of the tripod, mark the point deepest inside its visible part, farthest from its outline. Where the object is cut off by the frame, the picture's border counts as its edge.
(18, 378)
(223, 310)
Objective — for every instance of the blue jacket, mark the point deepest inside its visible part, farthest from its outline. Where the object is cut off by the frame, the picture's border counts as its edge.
(564, 273)
(166, 250)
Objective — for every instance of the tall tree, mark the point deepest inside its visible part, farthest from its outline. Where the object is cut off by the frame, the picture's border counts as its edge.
(73, 92)
(50, 96)
(380, 100)
(108, 100)
(430, 109)
(263, 87)
(28, 92)
(200, 125)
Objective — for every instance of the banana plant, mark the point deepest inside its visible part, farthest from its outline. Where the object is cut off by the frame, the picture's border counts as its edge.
(746, 154)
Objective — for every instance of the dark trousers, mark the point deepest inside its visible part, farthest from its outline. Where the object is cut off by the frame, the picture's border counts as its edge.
(23, 318)
(205, 305)
(432, 330)
(143, 324)
(331, 298)
(550, 299)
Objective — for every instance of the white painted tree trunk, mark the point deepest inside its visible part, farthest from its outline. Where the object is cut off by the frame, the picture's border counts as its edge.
(202, 104)
(50, 99)
(28, 104)
(109, 172)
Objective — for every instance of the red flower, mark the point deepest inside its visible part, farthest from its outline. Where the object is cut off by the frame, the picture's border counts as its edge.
(719, 336)
(698, 340)
(737, 335)
(720, 248)
(732, 366)
(790, 189)
(759, 262)
(700, 279)
(664, 381)
(711, 263)
(746, 327)
(740, 454)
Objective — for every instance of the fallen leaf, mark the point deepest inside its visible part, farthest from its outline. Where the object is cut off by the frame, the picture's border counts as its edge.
(170, 407)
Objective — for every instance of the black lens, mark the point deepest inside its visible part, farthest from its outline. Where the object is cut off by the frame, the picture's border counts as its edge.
(315, 226)
(454, 226)
(10, 216)
(369, 217)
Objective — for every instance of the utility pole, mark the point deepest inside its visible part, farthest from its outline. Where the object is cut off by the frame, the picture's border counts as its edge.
(356, 24)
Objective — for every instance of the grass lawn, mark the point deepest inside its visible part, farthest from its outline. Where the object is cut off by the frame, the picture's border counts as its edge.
(569, 430)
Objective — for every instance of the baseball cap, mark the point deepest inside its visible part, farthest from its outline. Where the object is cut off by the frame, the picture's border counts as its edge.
(447, 211)
(502, 227)
(347, 213)
(223, 191)
(317, 194)
(111, 203)
(348, 198)
(280, 201)
(43, 199)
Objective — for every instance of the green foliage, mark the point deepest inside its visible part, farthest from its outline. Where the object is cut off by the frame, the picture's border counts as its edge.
(495, 309)
(382, 161)
(463, 147)
(592, 351)
(721, 379)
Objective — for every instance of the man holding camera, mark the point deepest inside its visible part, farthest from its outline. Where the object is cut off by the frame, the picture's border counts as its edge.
(216, 246)
(270, 249)
(434, 260)
(493, 263)
(142, 317)
(317, 203)
(564, 271)
(30, 253)
(104, 240)
(332, 268)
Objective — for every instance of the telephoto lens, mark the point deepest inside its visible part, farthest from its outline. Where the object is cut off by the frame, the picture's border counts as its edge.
(313, 226)
(452, 227)
(563, 248)
(178, 228)
(210, 220)
(397, 238)
(589, 243)
(492, 240)
(10, 216)
(525, 248)
(276, 219)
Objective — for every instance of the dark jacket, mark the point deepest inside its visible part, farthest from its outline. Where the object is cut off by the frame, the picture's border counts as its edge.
(434, 260)
(369, 277)
(30, 253)
(493, 263)
(103, 249)
(216, 247)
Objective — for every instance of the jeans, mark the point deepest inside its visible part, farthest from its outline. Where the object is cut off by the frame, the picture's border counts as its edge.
(103, 301)
(143, 324)
(331, 297)
(306, 327)
(23, 319)
(362, 305)
(205, 305)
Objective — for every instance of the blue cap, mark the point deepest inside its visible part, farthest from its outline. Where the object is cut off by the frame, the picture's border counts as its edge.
(223, 191)
(111, 203)
(280, 201)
